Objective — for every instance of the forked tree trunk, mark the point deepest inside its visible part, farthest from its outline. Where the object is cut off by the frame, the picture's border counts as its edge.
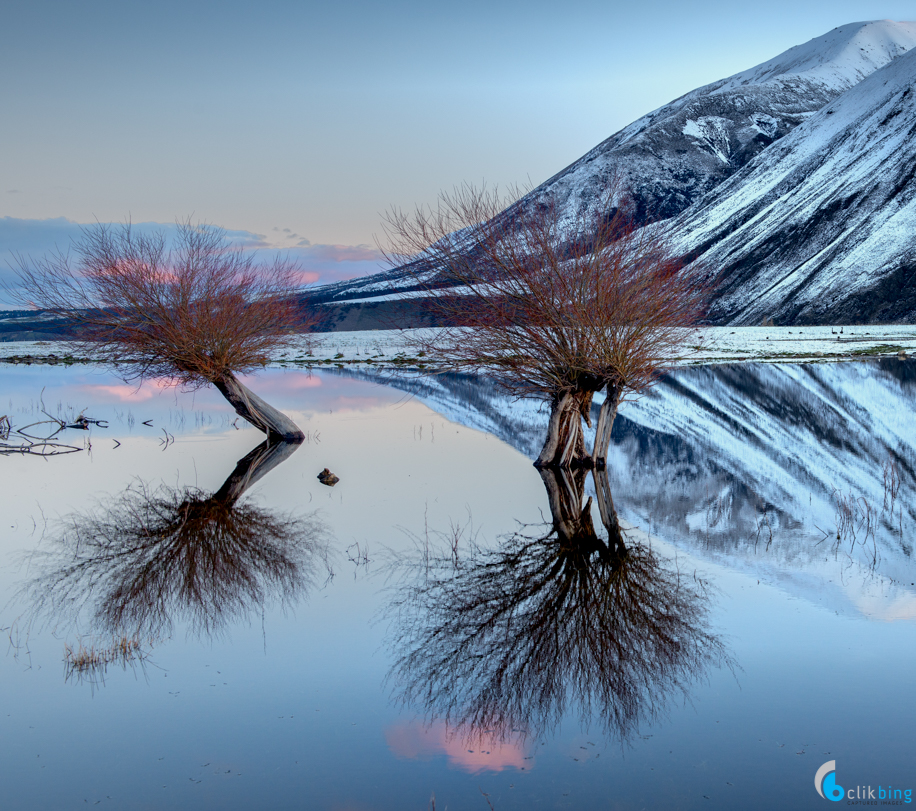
(260, 414)
(573, 521)
(606, 418)
(564, 446)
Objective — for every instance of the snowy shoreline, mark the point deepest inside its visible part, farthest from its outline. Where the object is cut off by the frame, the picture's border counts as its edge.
(713, 345)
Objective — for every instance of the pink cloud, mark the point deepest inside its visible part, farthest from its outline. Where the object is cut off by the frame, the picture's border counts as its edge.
(333, 263)
(321, 264)
(342, 271)
(305, 277)
(471, 750)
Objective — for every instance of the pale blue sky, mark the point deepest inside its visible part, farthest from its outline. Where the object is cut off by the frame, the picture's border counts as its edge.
(316, 117)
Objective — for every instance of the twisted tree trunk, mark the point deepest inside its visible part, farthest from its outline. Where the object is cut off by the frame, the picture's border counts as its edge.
(564, 446)
(565, 492)
(260, 414)
(551, 443)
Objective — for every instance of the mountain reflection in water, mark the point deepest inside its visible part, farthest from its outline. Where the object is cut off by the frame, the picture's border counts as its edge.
(803, 473)
(499, 643)
(149, 559)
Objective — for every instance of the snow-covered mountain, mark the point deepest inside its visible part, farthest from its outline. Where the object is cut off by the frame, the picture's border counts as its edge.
(675, 154)
(791, 182)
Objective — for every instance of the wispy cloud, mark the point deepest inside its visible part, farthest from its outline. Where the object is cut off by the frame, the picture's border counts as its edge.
(334, 263)
(319, 264)
(341, 253)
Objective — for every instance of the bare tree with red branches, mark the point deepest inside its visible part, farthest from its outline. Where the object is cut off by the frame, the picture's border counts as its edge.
(553, 306)
(195, 313)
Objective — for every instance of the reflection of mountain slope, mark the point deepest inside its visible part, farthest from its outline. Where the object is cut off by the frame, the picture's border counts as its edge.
(767, 456)
(748, 464)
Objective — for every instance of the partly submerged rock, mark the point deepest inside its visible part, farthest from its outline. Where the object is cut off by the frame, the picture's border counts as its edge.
(328, 478)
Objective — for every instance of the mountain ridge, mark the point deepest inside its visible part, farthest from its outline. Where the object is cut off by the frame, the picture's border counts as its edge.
(733, 119)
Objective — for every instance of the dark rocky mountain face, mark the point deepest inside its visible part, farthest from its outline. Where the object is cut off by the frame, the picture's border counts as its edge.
(671, 157)
(674, 156)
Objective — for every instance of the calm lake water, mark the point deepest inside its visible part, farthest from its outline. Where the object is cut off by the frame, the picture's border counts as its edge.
(444, 621)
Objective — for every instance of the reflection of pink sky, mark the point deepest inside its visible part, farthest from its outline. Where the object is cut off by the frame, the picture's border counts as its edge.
(285, 390)
(469, 750)
(288, 390)
(125, 392)
(293, 382)
(148, 389)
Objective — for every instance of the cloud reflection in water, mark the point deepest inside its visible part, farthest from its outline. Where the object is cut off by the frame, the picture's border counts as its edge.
(491, 754)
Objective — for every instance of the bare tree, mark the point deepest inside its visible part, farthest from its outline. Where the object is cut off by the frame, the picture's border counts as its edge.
(554, 307)
(194, 314)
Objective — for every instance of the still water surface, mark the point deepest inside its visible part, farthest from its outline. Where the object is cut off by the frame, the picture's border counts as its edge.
(444, 621)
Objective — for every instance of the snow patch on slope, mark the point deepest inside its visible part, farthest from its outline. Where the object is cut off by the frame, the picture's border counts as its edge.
(822, 215)
(833, 62)
(839, 59)
(712, 133)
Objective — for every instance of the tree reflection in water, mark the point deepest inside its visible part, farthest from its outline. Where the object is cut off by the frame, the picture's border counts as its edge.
(140, 564)
(508, 639)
